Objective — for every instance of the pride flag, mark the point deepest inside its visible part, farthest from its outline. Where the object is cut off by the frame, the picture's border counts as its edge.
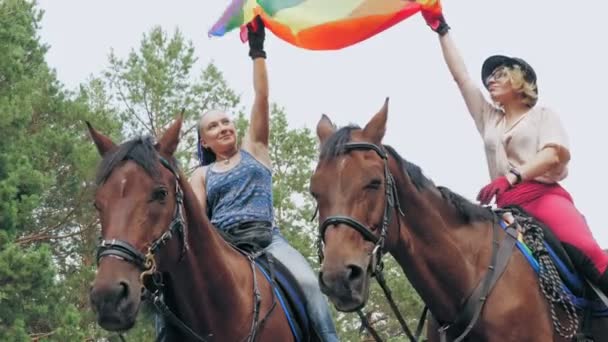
(320, 24)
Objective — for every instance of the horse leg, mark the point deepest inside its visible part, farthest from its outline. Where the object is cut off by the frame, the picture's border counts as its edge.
(432, 327)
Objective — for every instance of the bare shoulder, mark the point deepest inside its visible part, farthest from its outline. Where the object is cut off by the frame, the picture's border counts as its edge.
(198, 175)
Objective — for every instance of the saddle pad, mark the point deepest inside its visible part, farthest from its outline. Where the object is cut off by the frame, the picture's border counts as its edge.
(573, 283)
(289, 294)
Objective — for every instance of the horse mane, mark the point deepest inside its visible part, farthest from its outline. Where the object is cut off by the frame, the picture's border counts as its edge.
(468, 211)
(140, 150)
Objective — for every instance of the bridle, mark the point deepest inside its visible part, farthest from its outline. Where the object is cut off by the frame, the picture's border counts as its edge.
(474, 303)
(146, 262)
(123, 250)
(376, 266)
(152, 290)
(391, 204)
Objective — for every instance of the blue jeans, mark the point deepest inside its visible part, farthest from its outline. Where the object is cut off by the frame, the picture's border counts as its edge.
(316, 303)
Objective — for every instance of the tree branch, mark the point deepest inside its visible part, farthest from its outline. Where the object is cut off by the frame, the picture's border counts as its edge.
(205, 103)
(190, 129)
(44, 231)
(29, 239)
(129, 108)
(37, 336)
(80, 231)
(149, 113)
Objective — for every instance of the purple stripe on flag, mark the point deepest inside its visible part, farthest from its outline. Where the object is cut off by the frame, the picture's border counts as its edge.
(219, 28)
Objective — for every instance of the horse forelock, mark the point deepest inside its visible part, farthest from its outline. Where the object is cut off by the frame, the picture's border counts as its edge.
(139, 150)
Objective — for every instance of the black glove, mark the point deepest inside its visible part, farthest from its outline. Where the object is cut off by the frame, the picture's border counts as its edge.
(256, 34)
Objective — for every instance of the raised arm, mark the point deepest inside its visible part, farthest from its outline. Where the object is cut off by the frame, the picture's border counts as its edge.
(472, 95)
(258, 134)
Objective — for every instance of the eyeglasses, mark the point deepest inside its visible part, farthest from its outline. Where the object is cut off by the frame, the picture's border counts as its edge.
(497, 76)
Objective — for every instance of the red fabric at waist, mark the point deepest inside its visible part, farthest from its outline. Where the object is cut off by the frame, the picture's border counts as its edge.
(529, 191)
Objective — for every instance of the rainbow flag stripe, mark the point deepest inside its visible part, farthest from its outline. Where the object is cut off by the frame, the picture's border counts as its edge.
(320, 24)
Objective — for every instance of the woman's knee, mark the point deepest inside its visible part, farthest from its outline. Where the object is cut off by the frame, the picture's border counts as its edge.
(570, 226)
(561, 216)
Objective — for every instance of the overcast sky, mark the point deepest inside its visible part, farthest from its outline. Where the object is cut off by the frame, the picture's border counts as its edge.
(428, 122)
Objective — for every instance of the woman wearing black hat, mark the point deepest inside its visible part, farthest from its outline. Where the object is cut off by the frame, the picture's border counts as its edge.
(526, 147)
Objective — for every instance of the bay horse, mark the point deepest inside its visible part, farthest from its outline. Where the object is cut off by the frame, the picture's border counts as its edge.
(371, 201)
(154, 234)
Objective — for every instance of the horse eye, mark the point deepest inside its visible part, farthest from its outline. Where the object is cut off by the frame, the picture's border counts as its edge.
(374, 184)
(159, 194)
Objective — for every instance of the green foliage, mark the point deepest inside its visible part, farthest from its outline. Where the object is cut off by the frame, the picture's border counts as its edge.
(46, 163)
(31, 303)
(48, 229)
(21, 54)
(22, 70)
(293, 153)
(153, 84)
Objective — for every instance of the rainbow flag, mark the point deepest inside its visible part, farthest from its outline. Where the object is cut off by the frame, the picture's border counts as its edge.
(320, 24)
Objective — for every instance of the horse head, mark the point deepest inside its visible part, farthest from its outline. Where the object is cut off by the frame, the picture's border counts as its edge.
(357, 205)
(139, 203)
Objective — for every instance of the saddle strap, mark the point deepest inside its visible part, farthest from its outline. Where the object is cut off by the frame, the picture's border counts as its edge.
(365, 323)
(160, 305)
(598, 292)
(475, 302)
(391, 302)
(421, 323)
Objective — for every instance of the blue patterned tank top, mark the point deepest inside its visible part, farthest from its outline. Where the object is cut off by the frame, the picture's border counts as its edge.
(243, 193)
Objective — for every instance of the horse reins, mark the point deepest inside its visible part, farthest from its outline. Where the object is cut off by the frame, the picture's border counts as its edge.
(376, 265)
(474, 303)
(147, 263)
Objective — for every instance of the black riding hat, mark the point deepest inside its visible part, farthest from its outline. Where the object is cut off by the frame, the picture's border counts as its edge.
(493, 62)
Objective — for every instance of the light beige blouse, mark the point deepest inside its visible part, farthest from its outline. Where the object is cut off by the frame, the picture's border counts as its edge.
(508, 147)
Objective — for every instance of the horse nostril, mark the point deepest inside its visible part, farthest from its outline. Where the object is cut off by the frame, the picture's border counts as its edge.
(321, 280)
(353, 272)
(124, 290)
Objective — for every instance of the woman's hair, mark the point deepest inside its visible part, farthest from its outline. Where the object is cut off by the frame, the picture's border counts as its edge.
(205, 155)
(527, 90)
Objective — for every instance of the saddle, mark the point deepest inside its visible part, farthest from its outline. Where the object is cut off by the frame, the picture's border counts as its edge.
(290, 296)
(576, 286)
(250, 236)
(251, 239)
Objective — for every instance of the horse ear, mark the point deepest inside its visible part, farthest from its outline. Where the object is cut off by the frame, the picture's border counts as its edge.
(376, 127)
(103, 143)
(325, 128)
(167, 144)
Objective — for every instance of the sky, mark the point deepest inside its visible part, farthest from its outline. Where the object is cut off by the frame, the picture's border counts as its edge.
(428, 122)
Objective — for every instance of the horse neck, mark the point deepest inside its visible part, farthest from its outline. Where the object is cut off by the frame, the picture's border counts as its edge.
(428, 248)
(209, 285)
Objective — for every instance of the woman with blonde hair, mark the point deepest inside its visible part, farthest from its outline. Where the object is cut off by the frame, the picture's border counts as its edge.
(526, 147)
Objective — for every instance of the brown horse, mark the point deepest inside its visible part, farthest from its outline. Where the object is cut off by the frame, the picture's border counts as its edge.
(151, 222)
(371, 201)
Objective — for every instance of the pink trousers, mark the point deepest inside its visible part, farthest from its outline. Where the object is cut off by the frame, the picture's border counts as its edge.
(552, 205)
